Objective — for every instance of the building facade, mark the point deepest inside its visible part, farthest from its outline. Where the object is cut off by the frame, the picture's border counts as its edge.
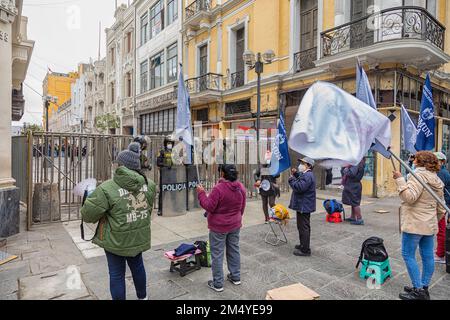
(158, 54)
(95, 98)
(57, 85)
(397, 42)
(15, 56)
(120, 71)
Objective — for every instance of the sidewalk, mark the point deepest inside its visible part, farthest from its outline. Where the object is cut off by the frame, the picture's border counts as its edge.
(49, 260)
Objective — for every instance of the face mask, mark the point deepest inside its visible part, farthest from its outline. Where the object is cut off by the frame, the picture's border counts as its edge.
(302, 168)
(413, 167)
(169, 146)
(268, 162)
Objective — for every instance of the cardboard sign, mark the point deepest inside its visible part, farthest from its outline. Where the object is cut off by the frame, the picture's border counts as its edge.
(292, 292)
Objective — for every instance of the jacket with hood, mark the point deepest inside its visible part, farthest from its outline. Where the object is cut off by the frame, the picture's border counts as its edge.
(303, 198)
(122, 206)
(444, 175)
(225, 206)
(420, 212)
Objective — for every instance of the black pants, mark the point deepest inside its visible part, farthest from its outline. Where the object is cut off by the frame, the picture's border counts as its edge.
(160, 202)
(267, 201)
(304, 231)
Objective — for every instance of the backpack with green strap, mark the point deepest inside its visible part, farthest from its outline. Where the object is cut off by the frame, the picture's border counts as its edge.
(205, 257)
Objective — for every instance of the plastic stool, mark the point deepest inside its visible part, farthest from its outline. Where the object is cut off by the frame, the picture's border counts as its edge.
(379, 271)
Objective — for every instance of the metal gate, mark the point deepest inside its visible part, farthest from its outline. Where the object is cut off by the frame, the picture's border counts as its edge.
(56, 162)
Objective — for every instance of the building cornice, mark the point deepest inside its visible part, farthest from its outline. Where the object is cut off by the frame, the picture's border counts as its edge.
(8, 11)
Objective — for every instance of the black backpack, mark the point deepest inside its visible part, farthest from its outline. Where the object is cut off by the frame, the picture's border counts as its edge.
(373, 250)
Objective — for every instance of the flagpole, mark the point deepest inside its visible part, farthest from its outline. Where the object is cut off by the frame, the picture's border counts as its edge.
(426, 186)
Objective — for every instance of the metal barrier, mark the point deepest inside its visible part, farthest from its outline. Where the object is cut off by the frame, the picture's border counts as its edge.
(47, 166)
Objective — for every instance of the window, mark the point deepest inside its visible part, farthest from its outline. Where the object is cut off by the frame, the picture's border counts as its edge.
(128, 79)
(128, 42)
(112, 92)
(144, 76)
(172, 11)
(156, 70)
(203, 59)
(242, 106)
(202, 115)
(144, 28)
(156, 18)
(113, 56)
(172, 63)
(159, 122)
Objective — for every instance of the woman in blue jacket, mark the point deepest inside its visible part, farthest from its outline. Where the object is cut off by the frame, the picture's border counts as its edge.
(303, 201)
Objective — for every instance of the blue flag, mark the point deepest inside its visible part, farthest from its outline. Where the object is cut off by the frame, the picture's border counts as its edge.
(280, 151)
(408, 132)
(425, 125)
(183, 124)
(364, 93)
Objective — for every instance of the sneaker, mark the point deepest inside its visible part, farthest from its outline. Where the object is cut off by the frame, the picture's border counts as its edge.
(300, 253)
(146, 298)
(235, 282)
(415, 294)
(298, 247)
(440, 260)
(359, 222)
(408, 289)
(350, 219)
(211, 286)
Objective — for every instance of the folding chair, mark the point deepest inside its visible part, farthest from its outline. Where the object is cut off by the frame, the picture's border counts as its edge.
(273, 237)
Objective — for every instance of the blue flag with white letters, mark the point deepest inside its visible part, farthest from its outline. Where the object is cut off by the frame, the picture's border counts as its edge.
(425, 125)
(280, 160)
(408, 131)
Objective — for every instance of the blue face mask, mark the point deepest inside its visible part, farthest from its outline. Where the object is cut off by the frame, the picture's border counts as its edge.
(413, 167)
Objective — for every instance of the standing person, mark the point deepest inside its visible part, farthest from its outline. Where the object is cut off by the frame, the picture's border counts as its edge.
(267, 186)
(145, 165)
(303, 201)
(420, 214)
(351, 196)
(225, 207)
(444, 175)
(164, 160)
(123, 206)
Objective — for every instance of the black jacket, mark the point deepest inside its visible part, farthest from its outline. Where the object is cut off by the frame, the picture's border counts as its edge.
(303, 198)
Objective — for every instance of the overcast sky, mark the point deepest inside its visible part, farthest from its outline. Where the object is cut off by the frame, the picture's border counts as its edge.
(66, 33)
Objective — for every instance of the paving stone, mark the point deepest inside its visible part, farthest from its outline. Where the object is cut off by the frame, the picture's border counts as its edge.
(345, 290)
(269, 274)
(165, 290)
(378, 295)
(14, 270)
(52, 286)
(8, 287)
(312, 279)
(440, 292)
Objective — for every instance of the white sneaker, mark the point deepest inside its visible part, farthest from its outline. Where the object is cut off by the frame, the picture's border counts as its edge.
(146, 298)
(439, 260)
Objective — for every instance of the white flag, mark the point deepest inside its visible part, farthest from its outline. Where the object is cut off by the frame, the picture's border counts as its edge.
(334, 126)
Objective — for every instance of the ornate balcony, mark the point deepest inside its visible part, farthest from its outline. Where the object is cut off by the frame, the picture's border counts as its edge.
(203, 89)
(196, 12)
(402, 34)
(304, 60)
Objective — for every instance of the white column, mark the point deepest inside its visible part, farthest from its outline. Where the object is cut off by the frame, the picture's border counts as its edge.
(7, 16)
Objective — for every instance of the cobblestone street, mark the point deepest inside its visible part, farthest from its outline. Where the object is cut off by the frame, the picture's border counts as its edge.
(48, 252)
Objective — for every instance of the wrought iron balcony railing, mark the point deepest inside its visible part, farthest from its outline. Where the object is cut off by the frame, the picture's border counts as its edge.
(304, 60)
(237, 79)
(196, 7)
(386, 25)
(209, 81)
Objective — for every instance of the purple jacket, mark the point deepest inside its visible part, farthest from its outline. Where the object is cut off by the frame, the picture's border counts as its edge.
(225, 206)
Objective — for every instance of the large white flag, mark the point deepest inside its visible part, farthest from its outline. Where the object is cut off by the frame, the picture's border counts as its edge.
(334, 126)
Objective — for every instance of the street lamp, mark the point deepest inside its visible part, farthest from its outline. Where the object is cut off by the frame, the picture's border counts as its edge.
(47, 100)
(257, 62)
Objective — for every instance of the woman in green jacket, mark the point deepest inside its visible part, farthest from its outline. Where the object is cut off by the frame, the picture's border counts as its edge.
(122, 207)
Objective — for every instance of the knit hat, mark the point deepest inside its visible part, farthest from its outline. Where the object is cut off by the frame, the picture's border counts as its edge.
(130, 158)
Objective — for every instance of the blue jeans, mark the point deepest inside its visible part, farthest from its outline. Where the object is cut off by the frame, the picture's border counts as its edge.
(116, 266)
(426, 246)
(218, 242)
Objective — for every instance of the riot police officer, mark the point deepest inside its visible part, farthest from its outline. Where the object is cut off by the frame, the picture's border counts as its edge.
(145, 165)
(164, 160)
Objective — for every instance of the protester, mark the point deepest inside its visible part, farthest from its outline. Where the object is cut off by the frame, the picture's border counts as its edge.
(444, 175)
(420, 214)
(351, 196)
(267, 186)
(303, 201)
(225, 206)
(122, 207)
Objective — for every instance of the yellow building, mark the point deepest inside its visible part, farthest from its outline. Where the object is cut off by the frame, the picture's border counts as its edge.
(396, 42)
(57, 85)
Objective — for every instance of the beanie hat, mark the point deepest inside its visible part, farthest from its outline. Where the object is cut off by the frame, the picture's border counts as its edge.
(130, 158)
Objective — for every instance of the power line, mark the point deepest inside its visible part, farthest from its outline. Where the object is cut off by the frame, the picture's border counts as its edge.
(35, 91)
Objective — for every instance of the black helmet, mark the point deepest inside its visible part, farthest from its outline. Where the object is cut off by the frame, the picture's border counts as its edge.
(168, 139)
(142, 141)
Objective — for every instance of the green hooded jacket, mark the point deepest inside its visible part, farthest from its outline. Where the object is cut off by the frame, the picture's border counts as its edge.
(122, 207)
